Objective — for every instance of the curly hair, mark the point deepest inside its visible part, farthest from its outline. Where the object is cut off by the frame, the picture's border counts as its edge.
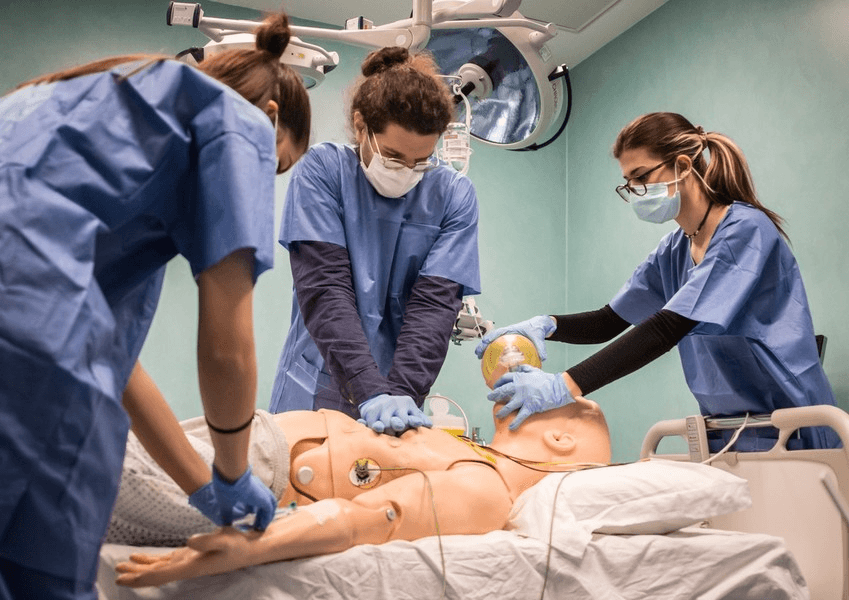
(402, 88)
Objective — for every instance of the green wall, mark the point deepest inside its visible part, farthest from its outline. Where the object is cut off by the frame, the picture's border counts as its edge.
(774, 76)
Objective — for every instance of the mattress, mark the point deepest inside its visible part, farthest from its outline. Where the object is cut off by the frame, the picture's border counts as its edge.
(692, 562)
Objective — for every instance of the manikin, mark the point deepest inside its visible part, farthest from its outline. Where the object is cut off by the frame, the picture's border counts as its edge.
(353, 486)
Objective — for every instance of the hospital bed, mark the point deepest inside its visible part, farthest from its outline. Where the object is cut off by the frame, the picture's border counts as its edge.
(747, 526)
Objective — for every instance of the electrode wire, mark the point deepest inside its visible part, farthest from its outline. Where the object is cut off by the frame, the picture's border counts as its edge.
(435, 517)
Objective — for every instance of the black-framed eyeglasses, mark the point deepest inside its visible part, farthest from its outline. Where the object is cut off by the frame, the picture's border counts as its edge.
(635, 186)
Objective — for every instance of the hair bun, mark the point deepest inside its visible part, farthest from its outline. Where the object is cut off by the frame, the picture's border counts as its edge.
(273, 35)
(384, 58)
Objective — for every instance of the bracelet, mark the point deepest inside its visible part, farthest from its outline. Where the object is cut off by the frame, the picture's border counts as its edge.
(227, 431)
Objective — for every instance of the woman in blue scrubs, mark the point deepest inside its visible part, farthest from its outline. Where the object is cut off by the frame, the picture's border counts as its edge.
(383, 246)
(724, 287)
(107, 171)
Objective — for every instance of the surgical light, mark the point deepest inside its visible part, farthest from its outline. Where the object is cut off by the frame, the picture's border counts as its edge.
(515, 94)
(311, 62)
(511, 86)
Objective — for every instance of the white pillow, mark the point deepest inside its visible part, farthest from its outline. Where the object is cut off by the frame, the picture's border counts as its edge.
(648, 497)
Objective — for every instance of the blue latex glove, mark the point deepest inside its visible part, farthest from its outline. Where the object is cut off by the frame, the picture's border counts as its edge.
(392, 414)
(244, 496)
(205, 501)
(535, 329)
(530, 391)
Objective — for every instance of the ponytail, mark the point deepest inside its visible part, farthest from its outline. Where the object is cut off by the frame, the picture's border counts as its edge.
(724, 179)
(728, 177)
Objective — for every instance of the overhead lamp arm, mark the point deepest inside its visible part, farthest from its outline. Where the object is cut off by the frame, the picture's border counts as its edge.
(214, 28)
(412, 33)
(474, 9)
(549, 28)
(414, 37)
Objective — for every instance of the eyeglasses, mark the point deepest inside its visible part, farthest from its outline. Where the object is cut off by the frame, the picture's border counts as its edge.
(636, 185)
(395, 164)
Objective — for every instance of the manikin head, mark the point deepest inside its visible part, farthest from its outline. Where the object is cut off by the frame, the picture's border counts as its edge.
(575, 433)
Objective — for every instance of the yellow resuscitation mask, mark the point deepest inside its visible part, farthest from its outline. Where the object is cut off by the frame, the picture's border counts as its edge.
(506, 353)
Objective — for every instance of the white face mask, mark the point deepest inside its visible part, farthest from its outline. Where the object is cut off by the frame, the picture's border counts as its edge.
(391, 183)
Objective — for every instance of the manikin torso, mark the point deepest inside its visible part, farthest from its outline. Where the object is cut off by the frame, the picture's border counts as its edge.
(333, 456)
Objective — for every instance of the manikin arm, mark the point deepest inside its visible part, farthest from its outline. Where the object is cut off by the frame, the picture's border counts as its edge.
(469, 499)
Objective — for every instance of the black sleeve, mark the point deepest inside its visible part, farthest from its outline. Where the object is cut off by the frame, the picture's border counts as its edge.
(429, 318)
(647, 341)
(592, 327)
(325, 289)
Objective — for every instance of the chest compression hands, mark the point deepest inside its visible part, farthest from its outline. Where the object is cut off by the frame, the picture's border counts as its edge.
(392, 414)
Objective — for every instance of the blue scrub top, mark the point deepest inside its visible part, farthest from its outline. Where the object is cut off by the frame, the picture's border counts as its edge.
(754, 349)
(102, 181)
(431, 231)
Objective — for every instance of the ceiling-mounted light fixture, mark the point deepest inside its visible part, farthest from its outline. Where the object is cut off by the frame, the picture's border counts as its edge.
(311, 62)
(514, 85)
(515, 95)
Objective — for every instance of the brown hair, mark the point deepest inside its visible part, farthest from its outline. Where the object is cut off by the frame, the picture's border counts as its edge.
(724, 179)
(256, 74)
(401, 88)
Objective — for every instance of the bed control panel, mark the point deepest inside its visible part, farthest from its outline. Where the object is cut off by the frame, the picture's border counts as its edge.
(697, 438)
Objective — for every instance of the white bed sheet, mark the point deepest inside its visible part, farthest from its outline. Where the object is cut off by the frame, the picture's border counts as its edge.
(690, 563)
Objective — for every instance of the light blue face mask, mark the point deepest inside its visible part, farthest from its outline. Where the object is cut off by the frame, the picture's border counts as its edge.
(656, 206)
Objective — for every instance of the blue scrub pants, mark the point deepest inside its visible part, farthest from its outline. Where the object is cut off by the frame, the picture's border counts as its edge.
(19, 583)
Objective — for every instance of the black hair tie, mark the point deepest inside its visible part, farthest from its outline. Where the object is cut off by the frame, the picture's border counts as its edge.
(228, 431)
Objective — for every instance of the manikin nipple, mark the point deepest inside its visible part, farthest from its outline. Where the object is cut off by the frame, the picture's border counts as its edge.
(364, 473)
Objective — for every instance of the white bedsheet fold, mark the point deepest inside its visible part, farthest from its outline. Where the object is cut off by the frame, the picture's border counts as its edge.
(691, 563)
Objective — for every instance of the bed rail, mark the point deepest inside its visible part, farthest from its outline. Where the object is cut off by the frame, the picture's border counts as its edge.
(799, 495)
(786, 420)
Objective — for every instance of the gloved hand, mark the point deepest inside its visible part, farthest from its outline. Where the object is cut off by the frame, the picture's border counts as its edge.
(392, 414)
(532, 391)
(205, 501)
(535, 329)
(244, 496)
